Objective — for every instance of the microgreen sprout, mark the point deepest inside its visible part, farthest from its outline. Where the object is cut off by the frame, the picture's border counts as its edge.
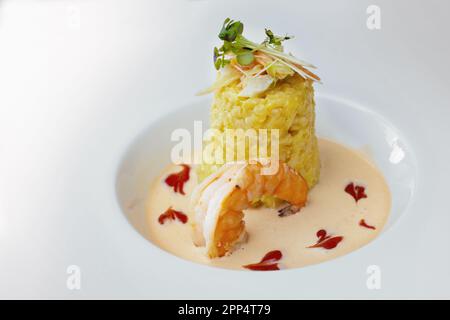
(245, 58)
(237, 50)
(230, 30)
(275, 40)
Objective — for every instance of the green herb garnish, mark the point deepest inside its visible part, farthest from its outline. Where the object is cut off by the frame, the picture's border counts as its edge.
(230, 30)
(245, 58)
(246, 53)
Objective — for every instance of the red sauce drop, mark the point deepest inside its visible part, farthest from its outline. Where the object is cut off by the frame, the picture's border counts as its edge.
(326, 241)
(178, 179)
(171, 214)
(268, 263)
(356, 191)
(363, 223)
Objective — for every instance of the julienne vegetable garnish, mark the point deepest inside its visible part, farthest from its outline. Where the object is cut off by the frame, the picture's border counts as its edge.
(258, 66)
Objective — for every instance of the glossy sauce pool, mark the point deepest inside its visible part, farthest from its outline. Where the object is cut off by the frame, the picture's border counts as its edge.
(332, 223)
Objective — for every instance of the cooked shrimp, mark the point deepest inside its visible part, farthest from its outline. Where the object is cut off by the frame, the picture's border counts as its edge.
(218, 202)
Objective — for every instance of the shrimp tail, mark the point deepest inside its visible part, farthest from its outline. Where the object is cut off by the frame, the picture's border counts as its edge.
(219, 205)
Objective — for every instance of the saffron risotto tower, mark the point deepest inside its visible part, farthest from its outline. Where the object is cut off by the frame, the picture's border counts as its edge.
(260, 87)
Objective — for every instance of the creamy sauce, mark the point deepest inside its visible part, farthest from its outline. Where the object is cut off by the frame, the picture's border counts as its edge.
(329, 208)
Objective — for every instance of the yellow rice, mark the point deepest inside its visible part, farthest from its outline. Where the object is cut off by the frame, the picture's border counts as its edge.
(288, 106)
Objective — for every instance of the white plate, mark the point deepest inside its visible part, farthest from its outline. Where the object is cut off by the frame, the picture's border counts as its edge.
(80, 81)
(340, 120)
